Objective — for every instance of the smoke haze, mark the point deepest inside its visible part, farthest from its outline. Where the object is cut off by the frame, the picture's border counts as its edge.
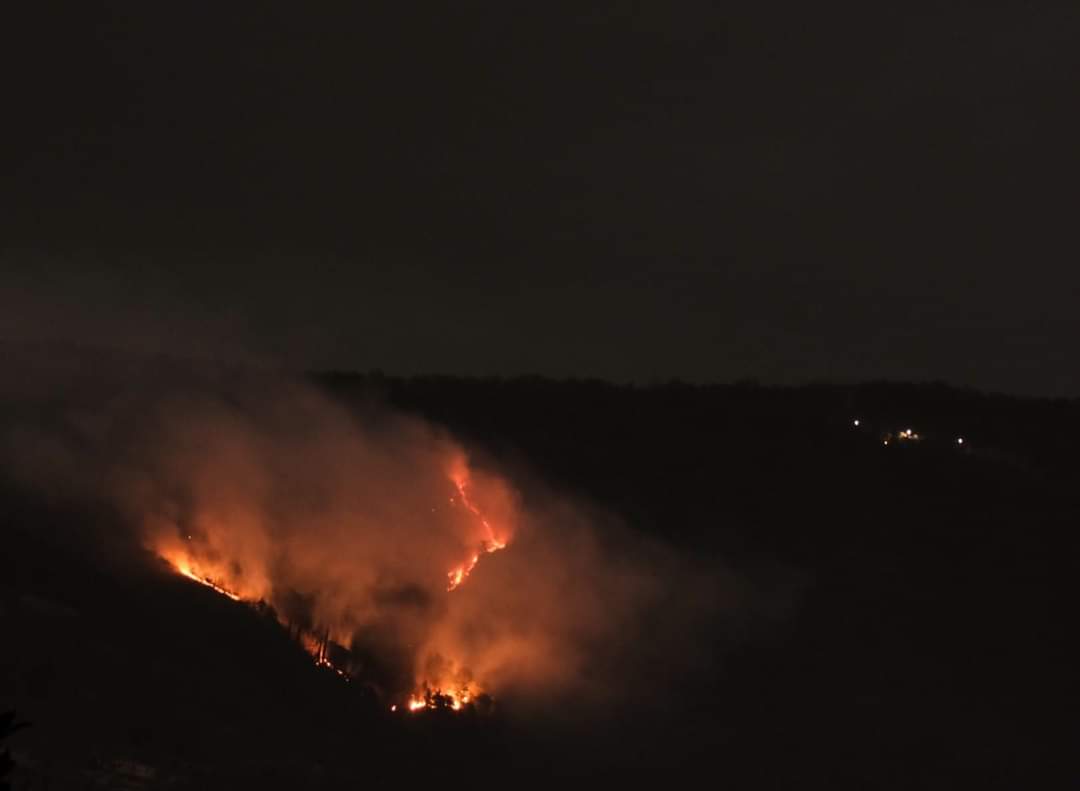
(351, 524)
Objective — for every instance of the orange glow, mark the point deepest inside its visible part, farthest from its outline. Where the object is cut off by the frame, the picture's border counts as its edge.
(367, 537)
(312, 643)
(453, 699)
(183, 566)
(441, 690)
(490, 544)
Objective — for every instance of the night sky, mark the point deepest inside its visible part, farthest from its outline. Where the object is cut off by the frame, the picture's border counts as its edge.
(633, 191)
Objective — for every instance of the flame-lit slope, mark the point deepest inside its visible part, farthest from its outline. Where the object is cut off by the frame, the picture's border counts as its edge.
(183, 565)
(444, 683)
(368, 534)
(110, 658)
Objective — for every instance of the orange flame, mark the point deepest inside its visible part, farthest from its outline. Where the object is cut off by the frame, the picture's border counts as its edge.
(453, 699)
(182, 565)
(449, 692)
(313, 644)
(491, 544)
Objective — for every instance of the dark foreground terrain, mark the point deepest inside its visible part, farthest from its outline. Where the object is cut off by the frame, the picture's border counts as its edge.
(909, 629)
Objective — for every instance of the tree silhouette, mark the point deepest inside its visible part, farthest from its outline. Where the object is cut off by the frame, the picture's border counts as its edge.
(8, 726)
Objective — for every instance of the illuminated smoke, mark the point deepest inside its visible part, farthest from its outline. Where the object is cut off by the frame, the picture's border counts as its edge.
(389, 552)
(204, 561)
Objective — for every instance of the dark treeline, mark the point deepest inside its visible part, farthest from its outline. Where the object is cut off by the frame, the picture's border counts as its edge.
(696, 463)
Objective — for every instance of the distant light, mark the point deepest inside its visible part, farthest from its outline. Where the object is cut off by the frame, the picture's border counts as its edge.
(959, 440)
(885, 442)
(855, 422)
(394, 707)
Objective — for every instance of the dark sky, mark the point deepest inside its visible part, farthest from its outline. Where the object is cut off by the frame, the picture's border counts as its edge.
(630, 190)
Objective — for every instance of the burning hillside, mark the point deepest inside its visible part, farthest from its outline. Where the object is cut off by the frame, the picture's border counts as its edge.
(380, 543)
(440, 685)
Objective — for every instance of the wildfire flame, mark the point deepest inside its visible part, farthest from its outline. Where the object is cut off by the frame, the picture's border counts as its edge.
(183, 565)
(445, 694)
(314, 644)
(459, 574)
(453, 699)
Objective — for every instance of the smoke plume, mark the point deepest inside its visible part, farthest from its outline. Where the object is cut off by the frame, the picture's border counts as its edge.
(361, 526)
